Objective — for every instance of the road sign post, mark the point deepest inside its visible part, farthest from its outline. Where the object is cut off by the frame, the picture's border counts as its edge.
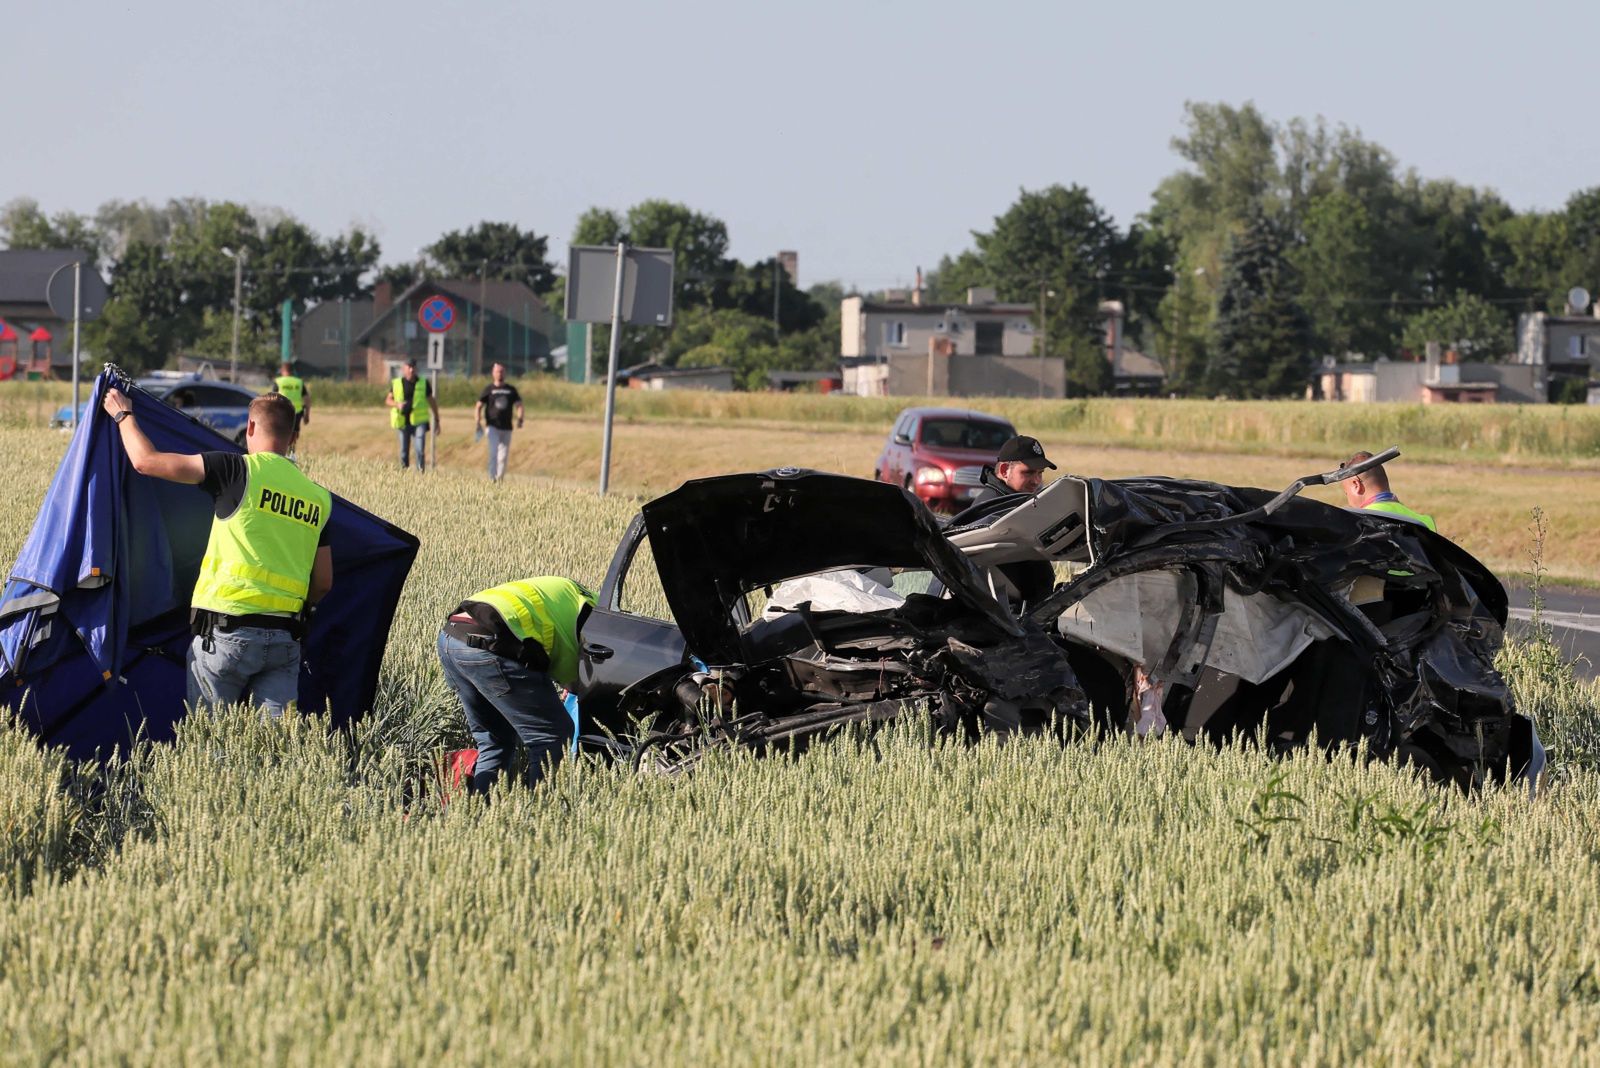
(437, 315)
(640, 293)
(88, 296)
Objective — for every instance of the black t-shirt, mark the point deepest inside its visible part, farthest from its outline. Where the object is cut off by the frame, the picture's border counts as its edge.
(225, 479)
(497, 403)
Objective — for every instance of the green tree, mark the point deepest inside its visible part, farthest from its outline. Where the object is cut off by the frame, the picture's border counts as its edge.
(949, 281)
(1340, 261)
(24, 226)
(1261, 340)
(146, 318)
(503, 250)
(1469, 324)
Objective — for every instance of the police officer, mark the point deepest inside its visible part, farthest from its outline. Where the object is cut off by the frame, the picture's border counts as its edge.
(1369, 491)
(267, 559)
(1018, 468)
(504, 650)
(292, 386)
(410, 400)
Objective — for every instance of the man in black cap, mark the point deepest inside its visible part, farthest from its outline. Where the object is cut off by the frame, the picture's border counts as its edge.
(1018, 468)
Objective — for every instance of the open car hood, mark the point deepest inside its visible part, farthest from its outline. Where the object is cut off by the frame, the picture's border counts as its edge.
(714, 539)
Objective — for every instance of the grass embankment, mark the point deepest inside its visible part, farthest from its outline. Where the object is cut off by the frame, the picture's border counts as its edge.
(1537, 435)
(269, 893)
(1481, 497)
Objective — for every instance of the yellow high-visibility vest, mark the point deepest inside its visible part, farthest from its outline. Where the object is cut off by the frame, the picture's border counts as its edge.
(259, 559)
(293, 388)
(1396, 508)
(419, 404)
(546, 610)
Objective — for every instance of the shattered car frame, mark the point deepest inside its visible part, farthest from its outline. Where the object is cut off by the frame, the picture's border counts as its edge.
(790, 672)
(1200, 608)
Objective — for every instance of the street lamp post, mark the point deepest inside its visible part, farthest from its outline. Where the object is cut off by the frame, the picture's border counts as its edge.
(1044, 332)
(238, 289)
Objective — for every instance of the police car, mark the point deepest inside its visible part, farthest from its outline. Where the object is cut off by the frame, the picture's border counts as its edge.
(222, 406)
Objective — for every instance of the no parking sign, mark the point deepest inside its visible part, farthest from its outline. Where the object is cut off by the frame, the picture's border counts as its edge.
(436, 314)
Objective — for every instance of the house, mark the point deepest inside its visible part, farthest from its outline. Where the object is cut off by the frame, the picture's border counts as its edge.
(980, 327)
(44, 338)
(794, 381)
(1562, 347)
(654, 376)
(1133, 373)
(1440, 379)
(909, 346)
(325, 337)
(496, 321)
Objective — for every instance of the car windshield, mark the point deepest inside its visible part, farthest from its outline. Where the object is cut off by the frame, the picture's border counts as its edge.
(982, 435)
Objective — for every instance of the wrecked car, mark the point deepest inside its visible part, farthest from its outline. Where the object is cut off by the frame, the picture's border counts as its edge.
(801, 601)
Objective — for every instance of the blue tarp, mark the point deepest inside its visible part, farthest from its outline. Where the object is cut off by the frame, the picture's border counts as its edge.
(94, 621)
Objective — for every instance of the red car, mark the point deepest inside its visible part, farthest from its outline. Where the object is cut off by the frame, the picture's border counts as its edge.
(939, 453)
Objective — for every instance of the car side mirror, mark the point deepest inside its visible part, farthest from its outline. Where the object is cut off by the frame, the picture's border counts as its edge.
(902, 439)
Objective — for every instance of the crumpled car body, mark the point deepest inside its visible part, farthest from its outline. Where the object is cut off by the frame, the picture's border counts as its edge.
(1311, 621)
(840, 645)
(801, 601)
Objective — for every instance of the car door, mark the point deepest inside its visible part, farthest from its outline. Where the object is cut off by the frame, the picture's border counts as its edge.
(222, 408)
(900, 448)
(629, 634)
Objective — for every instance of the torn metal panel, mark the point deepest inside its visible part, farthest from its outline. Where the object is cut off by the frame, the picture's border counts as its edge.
(1137, 617)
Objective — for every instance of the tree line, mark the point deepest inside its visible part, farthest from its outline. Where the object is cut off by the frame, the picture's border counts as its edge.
(1274, 244)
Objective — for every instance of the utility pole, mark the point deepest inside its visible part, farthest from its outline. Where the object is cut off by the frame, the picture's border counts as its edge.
(1044, 335)
(483, 316)
(238, 290)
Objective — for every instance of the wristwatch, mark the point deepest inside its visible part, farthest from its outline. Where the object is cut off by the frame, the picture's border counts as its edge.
(120, 416)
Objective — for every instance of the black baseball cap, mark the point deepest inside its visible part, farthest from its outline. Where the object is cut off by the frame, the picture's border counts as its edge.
(1026, 450)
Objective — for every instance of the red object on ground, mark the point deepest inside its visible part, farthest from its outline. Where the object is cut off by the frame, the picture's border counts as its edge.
(8, 366)
(456, 773)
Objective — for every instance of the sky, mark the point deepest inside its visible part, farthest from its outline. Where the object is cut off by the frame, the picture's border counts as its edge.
(871, 137)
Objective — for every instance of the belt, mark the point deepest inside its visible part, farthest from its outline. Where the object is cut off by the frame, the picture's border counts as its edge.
(207, 622)
(469, 630)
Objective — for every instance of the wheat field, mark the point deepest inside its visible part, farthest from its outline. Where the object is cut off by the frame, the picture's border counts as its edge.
(271, 893)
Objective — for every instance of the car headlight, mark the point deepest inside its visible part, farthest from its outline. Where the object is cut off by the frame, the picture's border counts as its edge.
(930, 476)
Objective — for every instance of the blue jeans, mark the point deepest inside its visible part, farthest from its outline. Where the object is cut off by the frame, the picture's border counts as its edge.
(418, 434)
(252, 663)
(499, 452)
(507, 706)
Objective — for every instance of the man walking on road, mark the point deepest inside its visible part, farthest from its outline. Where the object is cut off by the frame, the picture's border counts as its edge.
(495, 407)
(504, 650)
(266, 561)
(410, 400)
(1370, 491)
(294, 387)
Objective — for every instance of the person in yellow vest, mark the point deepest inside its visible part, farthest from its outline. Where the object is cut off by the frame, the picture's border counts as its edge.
(1369, 491)
(410, 400)
(266, 562)
(294, 387)
(504, 650)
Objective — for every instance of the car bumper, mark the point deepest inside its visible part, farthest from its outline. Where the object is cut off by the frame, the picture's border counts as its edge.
(946, 496)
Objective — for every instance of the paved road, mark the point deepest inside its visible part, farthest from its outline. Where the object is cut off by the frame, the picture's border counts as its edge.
(1573, 614)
